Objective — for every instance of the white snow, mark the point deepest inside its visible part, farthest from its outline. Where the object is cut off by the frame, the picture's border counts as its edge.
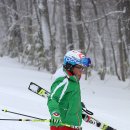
(109, 99)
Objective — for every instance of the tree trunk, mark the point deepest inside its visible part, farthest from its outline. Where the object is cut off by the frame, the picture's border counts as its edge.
(79, 25)
(40, 34)
(69, 25)
(29, 22)
(125, 5)
(4, 15)
(49, 49)
(15, 32)
(63, 34)
(60, 31)
(101, 43)
(126, 16)
(123, 28)
(121, 51)
(113, 51)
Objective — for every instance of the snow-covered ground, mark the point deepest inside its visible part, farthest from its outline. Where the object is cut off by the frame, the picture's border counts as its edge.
(109, 99)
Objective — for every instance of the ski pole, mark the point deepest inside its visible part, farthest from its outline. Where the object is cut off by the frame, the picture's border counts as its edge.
(37, 120)
(5, 110)
(34, 120)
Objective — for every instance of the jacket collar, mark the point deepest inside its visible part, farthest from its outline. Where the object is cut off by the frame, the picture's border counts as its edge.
(69, 75)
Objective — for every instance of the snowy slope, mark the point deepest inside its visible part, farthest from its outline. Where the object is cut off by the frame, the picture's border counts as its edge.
(109, 99)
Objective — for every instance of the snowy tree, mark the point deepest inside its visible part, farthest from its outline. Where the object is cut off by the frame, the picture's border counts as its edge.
(78, 15)
(69, 25)
(46, 31)
(40, 32)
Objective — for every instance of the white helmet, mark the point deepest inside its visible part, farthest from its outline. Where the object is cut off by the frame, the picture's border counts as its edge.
(74, 57)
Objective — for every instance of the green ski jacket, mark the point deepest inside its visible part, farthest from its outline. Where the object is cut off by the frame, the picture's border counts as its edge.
(65, 98)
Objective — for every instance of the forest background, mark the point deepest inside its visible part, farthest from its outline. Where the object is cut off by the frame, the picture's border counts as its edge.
(40, 32)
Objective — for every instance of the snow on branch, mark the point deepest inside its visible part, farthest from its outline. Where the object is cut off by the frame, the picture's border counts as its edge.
(6, 6)
(100, 40)
(110, 13)
(16, 12)
(100, 18)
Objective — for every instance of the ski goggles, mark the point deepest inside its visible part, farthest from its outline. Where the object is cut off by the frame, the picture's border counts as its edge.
(86, 62)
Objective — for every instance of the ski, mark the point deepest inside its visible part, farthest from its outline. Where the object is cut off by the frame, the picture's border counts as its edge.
(95, 122)
(86, 113)
(44, 93)
(38, 90)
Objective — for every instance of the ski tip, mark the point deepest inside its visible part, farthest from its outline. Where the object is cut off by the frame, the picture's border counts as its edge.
(4, 110)
(107, 127)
